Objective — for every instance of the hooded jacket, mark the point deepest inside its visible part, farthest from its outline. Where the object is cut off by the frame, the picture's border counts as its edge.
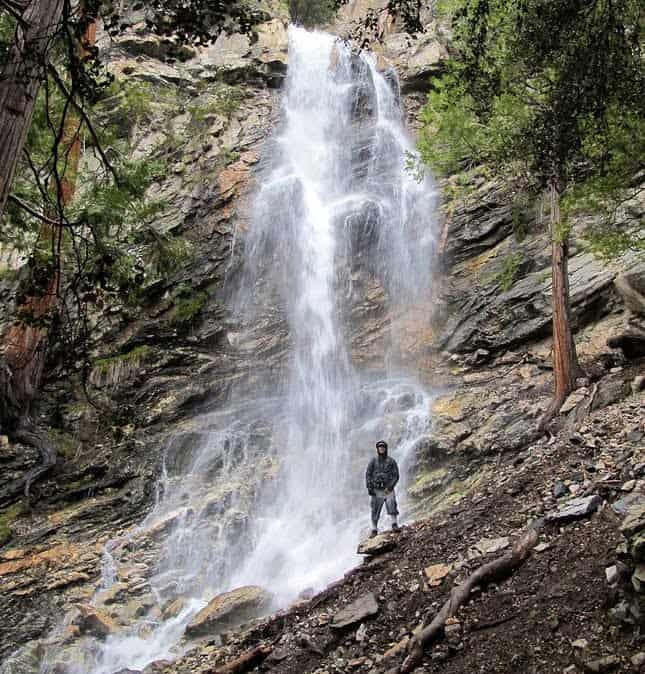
(382, 473)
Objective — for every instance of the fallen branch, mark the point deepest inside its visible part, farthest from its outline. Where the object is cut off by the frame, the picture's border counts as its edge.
(493, 623)
(245, 662)
(495, 570)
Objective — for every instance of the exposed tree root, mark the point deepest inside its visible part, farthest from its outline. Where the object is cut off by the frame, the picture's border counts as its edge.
(245, 662)
(28, 434)
(495, 570)
(551, 411)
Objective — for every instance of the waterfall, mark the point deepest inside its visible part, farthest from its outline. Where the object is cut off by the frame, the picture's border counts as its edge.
(269, 490)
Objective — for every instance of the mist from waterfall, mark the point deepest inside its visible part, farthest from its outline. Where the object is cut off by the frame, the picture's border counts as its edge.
(269, 490)
(338, 189)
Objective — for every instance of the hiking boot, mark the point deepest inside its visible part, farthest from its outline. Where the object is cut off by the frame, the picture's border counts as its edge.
(395, 527)
(374, 533)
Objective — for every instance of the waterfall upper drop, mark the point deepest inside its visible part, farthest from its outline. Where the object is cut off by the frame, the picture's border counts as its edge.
(338, 202)
(268, 490)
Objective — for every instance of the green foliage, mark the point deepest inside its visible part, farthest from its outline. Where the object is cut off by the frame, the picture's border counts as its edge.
(552, 93)
(7, 29)
(188, 305)
(229, 156)
(312, 13)
(508, 273)
(7, 518)
(136, 355)
(224, 101)
(520, 206)
(451, 136)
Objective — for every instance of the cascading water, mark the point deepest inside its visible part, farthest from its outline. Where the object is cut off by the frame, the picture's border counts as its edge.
(270, 491)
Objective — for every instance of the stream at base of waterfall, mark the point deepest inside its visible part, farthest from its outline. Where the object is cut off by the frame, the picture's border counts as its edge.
(269, 492)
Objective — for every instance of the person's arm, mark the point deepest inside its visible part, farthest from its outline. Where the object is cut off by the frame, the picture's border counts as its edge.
(394, 477)
(369, 476)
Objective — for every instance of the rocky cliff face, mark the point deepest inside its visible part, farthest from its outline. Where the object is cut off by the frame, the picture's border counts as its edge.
(481, 341)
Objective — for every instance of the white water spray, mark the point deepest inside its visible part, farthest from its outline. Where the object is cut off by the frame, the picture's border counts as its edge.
(270, 491)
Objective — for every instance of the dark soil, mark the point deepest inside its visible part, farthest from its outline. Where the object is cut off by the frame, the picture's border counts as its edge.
(527, 623)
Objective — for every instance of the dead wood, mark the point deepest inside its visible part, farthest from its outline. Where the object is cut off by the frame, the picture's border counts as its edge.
(245, 662)
(495, 570)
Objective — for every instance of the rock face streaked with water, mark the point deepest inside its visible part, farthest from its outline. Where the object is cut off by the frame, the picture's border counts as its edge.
(266, 492)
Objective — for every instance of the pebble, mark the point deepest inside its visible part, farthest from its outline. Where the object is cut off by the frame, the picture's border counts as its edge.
(638, 659)
(580, 644)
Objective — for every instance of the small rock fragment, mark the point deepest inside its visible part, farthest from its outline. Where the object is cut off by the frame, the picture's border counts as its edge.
(361, 633)
(576, 508)
(363, 607)
(436, 573)
(611, 573)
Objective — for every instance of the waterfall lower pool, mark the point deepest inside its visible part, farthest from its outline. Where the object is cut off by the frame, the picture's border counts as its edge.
(269, 491)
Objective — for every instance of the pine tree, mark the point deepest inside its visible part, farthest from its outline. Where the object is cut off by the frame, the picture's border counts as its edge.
(541, 88)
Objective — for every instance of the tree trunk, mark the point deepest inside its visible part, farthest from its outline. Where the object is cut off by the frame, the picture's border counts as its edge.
(20, 83)
(565, 360)
(25, 343)
(24, 348)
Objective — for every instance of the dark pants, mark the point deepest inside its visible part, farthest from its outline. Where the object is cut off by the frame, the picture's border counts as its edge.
(377, 501)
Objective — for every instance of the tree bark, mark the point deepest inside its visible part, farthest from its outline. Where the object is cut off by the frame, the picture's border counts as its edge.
(20, 83)
(24, 347)
(565, 360)
(25, 343)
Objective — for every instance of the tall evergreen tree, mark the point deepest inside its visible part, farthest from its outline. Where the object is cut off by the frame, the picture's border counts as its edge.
(544, 87)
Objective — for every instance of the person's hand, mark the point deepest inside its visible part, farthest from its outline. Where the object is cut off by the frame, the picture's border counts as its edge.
(387, 492)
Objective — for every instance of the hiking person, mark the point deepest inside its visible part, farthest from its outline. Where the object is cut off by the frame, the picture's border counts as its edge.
(381, 477)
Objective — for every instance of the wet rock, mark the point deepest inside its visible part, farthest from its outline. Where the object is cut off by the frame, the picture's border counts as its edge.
(229, 609)
(91, 620)
(575, 509)
(360, 609)
(114, 594)
(377, 545)
(174, 608)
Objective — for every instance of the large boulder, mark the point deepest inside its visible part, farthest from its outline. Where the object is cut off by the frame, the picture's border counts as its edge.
(229, 610)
